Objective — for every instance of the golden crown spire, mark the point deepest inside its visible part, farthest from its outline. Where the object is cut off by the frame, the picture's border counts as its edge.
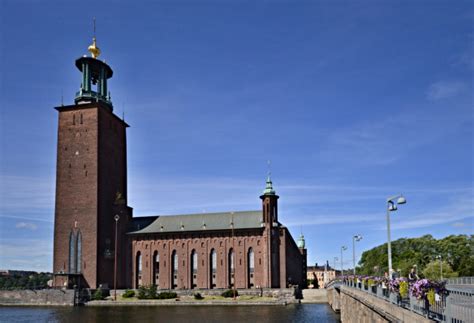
(93, 49)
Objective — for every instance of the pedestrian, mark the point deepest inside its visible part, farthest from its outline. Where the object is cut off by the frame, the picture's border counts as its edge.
(413, 276)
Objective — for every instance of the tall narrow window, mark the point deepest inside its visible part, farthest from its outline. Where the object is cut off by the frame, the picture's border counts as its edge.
(81, 118)
(138, 270)
(79, 253)
(74, 119)
(213, 268)
(251, 268)
(231, 265)
(194, 268)
(156, 269)
(72, 253)
(174, 269)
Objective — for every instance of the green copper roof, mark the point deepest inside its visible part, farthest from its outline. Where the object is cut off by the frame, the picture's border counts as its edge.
(301, 242)
(269, 188)
(201, 222)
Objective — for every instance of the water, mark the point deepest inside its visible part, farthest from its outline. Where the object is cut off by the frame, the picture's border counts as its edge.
(290, 313)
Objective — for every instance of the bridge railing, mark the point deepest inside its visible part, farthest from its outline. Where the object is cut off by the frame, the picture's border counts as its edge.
(454, 305)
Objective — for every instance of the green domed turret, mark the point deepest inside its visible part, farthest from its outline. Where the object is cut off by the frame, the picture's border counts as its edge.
(301, 242)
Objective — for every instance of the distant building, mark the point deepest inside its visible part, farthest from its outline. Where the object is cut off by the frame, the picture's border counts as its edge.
(211, 250)
(323, 274)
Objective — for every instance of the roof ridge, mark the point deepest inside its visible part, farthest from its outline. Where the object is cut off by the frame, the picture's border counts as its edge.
(204, 213)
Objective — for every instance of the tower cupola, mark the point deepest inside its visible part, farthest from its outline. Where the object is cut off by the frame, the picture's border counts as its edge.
(95, 74)
(301, 242)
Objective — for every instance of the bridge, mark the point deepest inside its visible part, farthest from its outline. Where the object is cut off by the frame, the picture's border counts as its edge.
(359, 302)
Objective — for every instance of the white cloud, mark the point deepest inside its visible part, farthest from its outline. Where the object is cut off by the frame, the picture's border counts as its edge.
(26, 225)
(26, 254)
(445, 89)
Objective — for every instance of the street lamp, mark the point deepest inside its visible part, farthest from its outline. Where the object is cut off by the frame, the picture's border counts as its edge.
(343, 248)
(355, 238)
(391, 207)
(440, 266)
(116, 218)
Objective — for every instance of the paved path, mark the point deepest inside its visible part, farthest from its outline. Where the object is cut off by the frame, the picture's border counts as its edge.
(314, 296)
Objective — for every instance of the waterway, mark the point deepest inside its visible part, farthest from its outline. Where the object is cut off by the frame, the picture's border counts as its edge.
(291, 313)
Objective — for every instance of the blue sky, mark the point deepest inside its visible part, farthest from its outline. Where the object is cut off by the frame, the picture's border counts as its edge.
(351, 101)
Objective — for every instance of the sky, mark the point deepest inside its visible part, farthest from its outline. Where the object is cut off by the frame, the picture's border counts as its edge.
(352, 101)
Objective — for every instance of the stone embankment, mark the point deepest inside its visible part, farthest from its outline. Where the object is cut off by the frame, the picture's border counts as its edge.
(314, 296)
(40, 297)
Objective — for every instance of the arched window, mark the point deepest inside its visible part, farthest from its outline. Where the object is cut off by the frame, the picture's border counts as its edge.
(213, 267)
(174, 269)
(72, 253)
(138, 270)
(79, 253)
(194, 268)
(231, 265)
(251, 267)
(156, 269)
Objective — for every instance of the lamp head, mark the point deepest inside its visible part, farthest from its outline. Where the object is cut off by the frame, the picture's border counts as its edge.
(344, 248)
(392, 207)
(401, 200)
(358, 237)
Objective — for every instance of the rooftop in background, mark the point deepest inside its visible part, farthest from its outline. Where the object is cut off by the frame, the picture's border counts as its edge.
(199, 222)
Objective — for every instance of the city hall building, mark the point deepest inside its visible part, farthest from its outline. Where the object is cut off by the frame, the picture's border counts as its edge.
(97, 241)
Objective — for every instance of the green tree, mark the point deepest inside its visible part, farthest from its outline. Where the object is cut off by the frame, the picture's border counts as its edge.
(433, 270)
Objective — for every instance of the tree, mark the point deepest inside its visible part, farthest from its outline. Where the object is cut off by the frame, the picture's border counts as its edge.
(433, 270)
(406, 252)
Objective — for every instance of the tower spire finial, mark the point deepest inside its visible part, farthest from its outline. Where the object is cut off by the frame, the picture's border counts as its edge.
(93, 49)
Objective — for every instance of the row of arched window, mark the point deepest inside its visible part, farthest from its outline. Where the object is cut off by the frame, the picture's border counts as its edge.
(194, 268)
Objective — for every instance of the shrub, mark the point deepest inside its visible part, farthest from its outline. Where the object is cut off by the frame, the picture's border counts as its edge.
(147, 292)
(98, 295)
(166, 295)
(198, 296)
(128, 293)
(229, 293)
(142, 292)
(151, 292)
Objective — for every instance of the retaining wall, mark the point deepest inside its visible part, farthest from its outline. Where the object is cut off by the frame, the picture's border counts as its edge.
(37, 297)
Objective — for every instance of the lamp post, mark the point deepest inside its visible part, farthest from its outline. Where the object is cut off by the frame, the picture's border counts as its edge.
(355, 238)
(440, 266)
(392, 206)
(116, 218)
(343, 248)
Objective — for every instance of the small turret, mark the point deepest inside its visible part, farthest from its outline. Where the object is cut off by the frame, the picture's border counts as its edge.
(301, 243)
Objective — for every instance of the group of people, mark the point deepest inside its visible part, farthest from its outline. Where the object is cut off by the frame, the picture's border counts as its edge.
(412, 275)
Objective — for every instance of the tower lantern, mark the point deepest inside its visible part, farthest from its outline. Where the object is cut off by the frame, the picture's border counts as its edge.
(95, 73)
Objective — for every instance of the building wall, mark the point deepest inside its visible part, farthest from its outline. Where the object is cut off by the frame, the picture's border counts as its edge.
(185, 243)
(91, 169)
(76, 189)
(295, 262)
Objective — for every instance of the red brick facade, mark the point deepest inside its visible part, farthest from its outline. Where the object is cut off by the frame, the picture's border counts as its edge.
(91, 189)
(91, 169)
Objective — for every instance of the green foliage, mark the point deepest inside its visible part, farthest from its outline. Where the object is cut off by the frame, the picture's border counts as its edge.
(403, 289)
(25, 280)
(407, 252)
(166, 295)
(198, 296)
(128, 293)
(433, 270)
(98, 295)
(229, 293)
(145, 292)
(431, 296)
(142, 292)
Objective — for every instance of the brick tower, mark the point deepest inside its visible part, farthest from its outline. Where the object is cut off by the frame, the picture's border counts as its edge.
(91, 185)
(271, 234)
